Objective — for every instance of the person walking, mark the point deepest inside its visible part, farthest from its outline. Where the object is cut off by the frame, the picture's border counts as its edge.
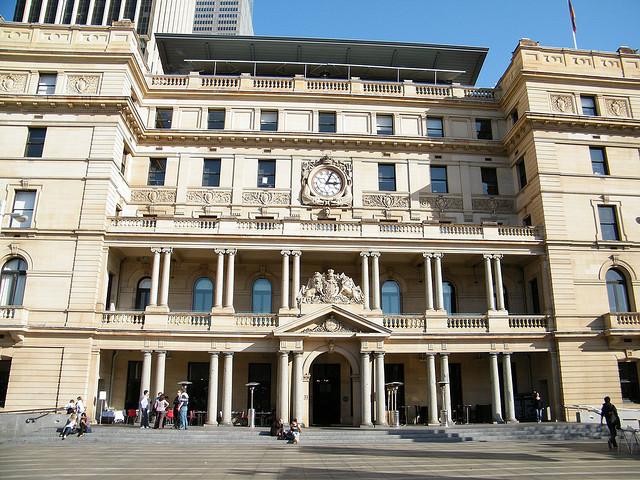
(144, 410)
(80, 408)
(184, 408)
(161, 411)
(609, 413)
(537, 403)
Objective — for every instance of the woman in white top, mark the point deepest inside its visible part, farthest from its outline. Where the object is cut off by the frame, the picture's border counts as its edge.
(71, 424)
(80, 408)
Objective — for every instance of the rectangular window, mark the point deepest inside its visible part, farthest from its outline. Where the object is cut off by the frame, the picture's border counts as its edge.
(522, 173)
(266, 173)
(435, 127)
(215, 119)
(384, 124)
(47, 83)
(608, 222)
(483, 129)
(24, 203)
(526, 221)
(35, 142)
(261, 374)
(157, 170)
(164, 117)
(514, 116)
(535, 296)
(211, 172)
(598, 161)
(269, 121)
(387, 177)
(489, 181)
(123, 163)
(327, 122)
(588, 105)
(439, 182)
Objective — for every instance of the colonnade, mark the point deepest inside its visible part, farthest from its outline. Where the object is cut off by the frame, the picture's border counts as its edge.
(60, 9)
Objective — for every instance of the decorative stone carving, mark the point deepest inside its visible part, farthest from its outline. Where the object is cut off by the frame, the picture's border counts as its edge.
(385, 201)
(330, 288)
(82, 84)
(441, 203)
(209, 197)
(617, 107)
(152, 195)
(266, 197)
(343, 170)
(13, 82)
(330, 325)
(493, 205)
(562, 104)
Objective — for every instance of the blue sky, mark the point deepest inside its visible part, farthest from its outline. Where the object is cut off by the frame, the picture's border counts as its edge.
(496, 24)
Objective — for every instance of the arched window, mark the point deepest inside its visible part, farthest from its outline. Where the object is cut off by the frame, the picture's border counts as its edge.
(261, 296)
(617, 291)
(143, 293)
(202, 295)
(14, 276)
(449, 294)
(391, 304)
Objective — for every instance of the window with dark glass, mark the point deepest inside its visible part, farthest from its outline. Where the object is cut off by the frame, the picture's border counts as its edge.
(47, 83)
(98, 12)
(483, 129)
(526, 221)
(260, 373)
(202, 295)
(391, 304)
(18, 11)
(266, 173)
(514, 116)
(261, 296)
(598, 161)
(588, 103)
(629, 384)
(24, 204)
(608, 222)
(327, 122)
(387, 177)
(384, 124)
(439, 182)
(435, 127)
(211, 172)
(123, 163)
(215, 119)
(617, 291)
(535, 296)
(12, 283)
(157, 170)
(164, 116)
(35, 142)
(5, 370)
(522, 173)
(489, 181)
(83, 12)
(134, 376)
(449, 296)
(34, 13)
(143, 293)
(269, 121)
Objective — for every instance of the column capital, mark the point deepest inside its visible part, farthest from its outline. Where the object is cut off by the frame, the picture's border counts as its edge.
(498, 256)
(430, 354)
(365, 254)
(167, 249)
(444, 354)
(220, 251)
(214, 353)
(228, 354)
(156, 250)
(296, 253)
(487, 256)
(285, 253)
(437, 255)
(493, 354)
(378, 354)
(427, 254)
(297, 354)
(146, 352)
(232, 251)
(283, 352)
(506, 354)
(374, 254)
(161, 352)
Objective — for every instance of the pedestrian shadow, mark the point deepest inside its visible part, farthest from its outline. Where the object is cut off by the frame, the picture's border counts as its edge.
(347, 474)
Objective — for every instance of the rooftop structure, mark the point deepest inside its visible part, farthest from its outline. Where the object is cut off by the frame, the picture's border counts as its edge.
(224, 17)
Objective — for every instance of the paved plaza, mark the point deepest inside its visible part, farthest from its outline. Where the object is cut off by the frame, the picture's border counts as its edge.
(473, 460)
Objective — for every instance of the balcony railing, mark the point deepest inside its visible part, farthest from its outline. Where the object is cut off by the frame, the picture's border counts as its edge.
(13, 315)
(404, 322)
(190, 320)
(124, 320)
(529, 322)
(464, 322)
(256, 320)
(623, 321)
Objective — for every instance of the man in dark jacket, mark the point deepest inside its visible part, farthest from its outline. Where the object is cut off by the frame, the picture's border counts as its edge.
(610, 414)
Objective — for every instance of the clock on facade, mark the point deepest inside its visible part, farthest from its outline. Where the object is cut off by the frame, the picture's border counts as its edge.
(327, 182)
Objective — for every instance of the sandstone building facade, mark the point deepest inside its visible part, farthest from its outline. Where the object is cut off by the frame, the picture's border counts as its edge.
(322, 217)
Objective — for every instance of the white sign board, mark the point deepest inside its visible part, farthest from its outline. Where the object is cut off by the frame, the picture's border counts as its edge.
(102, 395)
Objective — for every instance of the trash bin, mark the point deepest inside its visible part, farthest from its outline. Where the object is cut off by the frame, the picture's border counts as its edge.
(393, 418)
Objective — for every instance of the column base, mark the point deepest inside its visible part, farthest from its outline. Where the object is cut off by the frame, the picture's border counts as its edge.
(512, 421)
(223, 311)
(157, 309)
(366, 425)
(210, 425)
(225, 424)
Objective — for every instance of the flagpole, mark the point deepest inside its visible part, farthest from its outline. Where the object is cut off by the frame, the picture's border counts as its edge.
(575, 45)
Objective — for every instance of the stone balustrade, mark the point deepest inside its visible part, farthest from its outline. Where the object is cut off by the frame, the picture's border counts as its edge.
(256, 320)
(529, 322)
(194, 320)
(468, 322)
(404, 322)
(622, 321)
(13, 315)
(123, 320)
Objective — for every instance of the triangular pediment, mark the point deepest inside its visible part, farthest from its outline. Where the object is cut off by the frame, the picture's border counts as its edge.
(332, 320)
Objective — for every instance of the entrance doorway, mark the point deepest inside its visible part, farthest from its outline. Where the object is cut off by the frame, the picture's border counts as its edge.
(198, 375)
(326, 393)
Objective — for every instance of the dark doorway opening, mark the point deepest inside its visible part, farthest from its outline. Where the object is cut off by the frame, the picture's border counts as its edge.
(5, 369)
(629, 381)
(134, 374)
(198, 391)
(326, 393)
(261, 373)
(394, 372)
(455, 386)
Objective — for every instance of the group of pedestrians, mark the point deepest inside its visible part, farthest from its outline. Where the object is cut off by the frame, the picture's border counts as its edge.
(158, 408)
(77, 422)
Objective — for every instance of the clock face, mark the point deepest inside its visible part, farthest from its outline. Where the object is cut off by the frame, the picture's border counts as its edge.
(327, 182)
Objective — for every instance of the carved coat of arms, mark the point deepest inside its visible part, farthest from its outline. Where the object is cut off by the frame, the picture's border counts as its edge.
(330, 288)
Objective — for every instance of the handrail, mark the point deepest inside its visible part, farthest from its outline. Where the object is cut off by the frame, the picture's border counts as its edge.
(35, 410)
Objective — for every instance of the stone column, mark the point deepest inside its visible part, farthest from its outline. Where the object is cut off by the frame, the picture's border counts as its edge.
(296, 277)
(92, 6)
(298, 395)
(439, 291)
(166, 276)
(155, 277)
(227, 388)
(365, 279)
(365, 385)
(509, 405)
(212, 404)
(496, 403)
(105, 14)
(499, 289)
(381, 411)
(231, 265)
(444, 378)
(283, 386)
(284, 303)
(219, 278)
(121, 12)
(58, 18)
(145, 377)
(428, 280)
(432, 392)
(43, 9)
(158, 380)
(488, 281)
(136, 14)
(376, 279)
(74, 11)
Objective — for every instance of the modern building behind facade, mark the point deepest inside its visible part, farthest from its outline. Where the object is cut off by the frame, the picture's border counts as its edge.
(224, 17)
(302, 215)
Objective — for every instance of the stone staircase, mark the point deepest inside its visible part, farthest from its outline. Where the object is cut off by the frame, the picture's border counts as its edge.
(106, 434)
